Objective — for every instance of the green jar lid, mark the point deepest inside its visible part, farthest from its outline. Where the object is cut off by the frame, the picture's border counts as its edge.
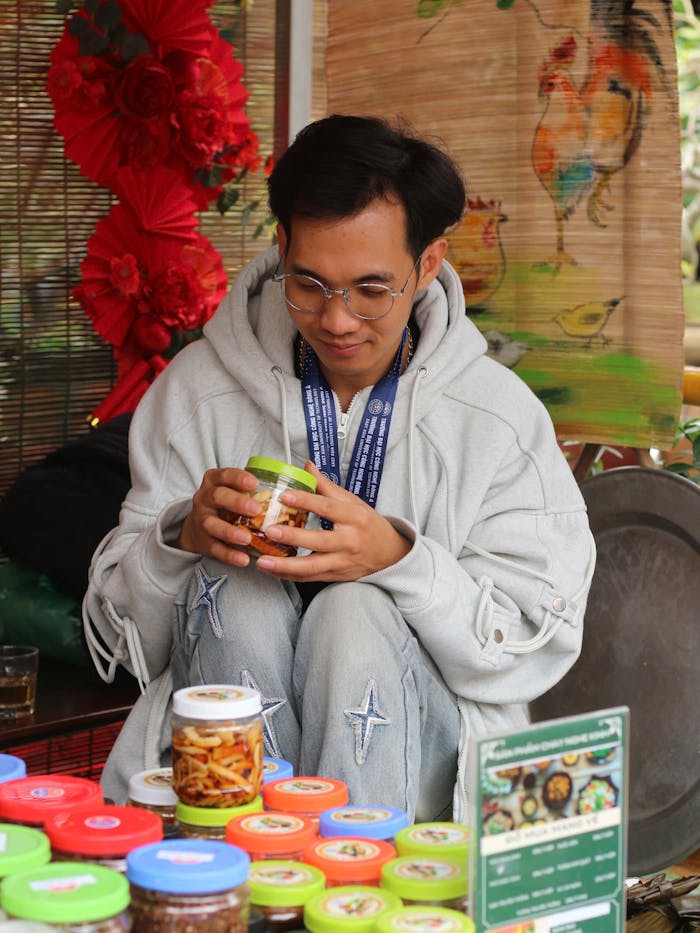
(22, 847)
(425, 877)
(214, 816)
(283, 882)
(284, 469)
(348, 908)
(433, 839)
(419, 917)
(65, 892)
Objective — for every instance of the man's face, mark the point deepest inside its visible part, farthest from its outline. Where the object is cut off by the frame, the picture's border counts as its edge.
(368, 247)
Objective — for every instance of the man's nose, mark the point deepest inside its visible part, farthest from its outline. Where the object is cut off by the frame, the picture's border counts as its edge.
(336, 315)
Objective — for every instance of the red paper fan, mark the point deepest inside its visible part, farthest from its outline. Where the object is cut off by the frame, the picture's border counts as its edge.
(159, 199)
(171, 24)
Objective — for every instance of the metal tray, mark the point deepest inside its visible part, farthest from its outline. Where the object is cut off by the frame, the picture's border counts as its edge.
(641, 649)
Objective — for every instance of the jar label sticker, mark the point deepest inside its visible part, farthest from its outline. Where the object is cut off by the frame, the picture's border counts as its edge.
(305, 786)
(44, 793)
(427, 870)
(58, 885)
(438, 835)
(352, 904)
(356, 815)
(348, 850)
(269, 767)
(426, 920)
(282, 875)
(183, 857)
(102, 822)
(272, 824)
(3, 842)
(209, 694)
(162, 778)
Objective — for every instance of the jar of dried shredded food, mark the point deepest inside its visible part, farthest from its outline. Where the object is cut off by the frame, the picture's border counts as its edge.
(271, 835)
(427, 879)
(153, 790)
(349, 859)
(368, 822)
(72, 896)
(182, 885)
(30, 800)
(102, 835)
(274, 768)
(210, 822)
(22, 847)
(305, 795)
(280, 888)
(353, 908)
(424, 917)
(438, 838)
(274, 477)
(217, 745)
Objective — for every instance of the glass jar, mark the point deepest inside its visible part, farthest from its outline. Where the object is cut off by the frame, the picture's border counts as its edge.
(217, 745)
(153, 790)
(11, 768)
(271, 835)
(23, 926)
(274, 768)
(182, 885)
(352, 908)
(22, 847)
(210, 822)
(30, 800)
(367, 822)
(423, 917)
(307, 796)
(72, 896)
(280, 888)
(274, 477)
(350, 859)
(439, 838)
(427, 879)
(101, 835)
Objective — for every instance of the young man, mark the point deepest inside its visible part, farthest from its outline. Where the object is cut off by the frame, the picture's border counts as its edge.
(445, 584)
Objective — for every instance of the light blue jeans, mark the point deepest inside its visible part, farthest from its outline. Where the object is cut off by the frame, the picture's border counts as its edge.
(347, 690)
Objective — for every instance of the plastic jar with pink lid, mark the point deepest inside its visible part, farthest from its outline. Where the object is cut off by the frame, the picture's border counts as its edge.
(304, 795)
(31, 800)
(271, 835)
(350, 859)
(103, 835)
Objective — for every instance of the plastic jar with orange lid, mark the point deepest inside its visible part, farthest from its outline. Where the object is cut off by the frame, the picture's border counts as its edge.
(30, 800)
(304, 795)
(271, 835)
(349, 859)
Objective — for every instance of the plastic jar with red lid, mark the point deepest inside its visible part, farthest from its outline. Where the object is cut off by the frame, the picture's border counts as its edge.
(271, 834)
(350, 859)
(102, 835)
(304, 795)
(31, 800)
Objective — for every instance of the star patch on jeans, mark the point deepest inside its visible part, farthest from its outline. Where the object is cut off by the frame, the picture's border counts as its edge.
(207, 596)
(364, 719)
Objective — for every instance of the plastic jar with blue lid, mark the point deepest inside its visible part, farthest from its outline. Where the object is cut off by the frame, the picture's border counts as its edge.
(179, 885)
(11, 768)
(21, 848)
(274, 768)
(368, 822)
(71, 896)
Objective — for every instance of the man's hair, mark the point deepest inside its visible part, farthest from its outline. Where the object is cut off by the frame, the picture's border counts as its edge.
(338, 165)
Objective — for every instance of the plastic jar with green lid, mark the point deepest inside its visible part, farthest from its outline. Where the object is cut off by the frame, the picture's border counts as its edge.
(271, 835)
(71, 896)
(307, 795)
(30, 800)
(217, 745)
(102, 835)
(153, 790)
(21, 848)
(274, 477)
(351, 908)
(423, 917)
(427, 879)
(183, 885)
(210, 822)
(23, 926)
(280, 888)
(444, 839)
(349, 859)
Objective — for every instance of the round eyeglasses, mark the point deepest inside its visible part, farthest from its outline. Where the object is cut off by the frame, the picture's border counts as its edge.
(366, 300)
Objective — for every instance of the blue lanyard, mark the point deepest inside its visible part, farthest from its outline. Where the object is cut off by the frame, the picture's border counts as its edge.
(367, 462)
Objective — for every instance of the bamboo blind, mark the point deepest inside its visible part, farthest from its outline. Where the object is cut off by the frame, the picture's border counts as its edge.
(53, 368)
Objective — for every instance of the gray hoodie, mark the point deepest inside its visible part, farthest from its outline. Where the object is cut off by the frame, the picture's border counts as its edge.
(496, 580)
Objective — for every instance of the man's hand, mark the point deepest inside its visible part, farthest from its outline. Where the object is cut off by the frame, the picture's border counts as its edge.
(361, 541)
(206, 530)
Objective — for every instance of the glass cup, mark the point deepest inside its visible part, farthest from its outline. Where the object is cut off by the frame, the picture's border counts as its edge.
(18, 669)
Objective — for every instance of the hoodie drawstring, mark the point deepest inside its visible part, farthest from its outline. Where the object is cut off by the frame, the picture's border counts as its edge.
(277, 373)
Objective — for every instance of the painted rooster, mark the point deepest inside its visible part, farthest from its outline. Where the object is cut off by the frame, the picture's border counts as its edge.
(590, 129)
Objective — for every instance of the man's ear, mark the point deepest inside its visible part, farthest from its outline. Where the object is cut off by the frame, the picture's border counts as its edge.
(433, 254)
(281, 239)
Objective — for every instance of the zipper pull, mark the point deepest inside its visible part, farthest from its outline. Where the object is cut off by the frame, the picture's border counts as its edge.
(342, 424)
